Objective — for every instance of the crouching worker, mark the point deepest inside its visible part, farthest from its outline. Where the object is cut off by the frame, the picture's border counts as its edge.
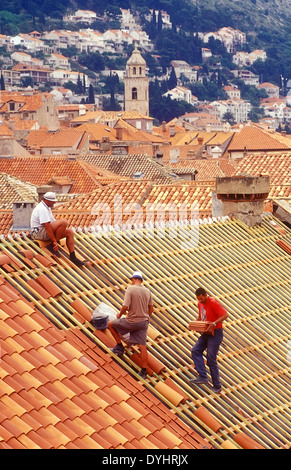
(138, 302)
(45, 227)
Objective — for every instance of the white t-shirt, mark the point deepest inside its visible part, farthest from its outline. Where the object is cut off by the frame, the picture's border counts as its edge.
(41, 214)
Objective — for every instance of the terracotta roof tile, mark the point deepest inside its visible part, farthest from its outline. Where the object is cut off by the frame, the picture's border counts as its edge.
(253, 138)
(40, 170)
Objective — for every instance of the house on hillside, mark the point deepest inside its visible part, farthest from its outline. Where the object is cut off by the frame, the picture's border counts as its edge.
(182, 67)
(59, 61)
(271, 89)
(248, 77)
(81, 16)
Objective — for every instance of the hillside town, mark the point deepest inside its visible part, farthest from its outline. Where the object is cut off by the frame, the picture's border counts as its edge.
(197, 201)
(41, 60)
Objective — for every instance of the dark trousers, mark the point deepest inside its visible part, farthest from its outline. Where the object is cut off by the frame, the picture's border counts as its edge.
(211, 343)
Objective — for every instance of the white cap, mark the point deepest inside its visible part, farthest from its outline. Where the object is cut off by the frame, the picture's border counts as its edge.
(50, 196)
(137, 274)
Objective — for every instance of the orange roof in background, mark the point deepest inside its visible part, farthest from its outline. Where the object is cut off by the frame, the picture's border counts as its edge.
(62, 138)
(207, 169)
(134, 201)
(98, 131)
(277, 166)
(5, 131)
(254, 138)
(40, 170)
(30, 103)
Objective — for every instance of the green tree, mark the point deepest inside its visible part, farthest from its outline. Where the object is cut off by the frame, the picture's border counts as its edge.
(172, 82)
(228, 117)
(79, 85)
(91, 97)
(2, 83)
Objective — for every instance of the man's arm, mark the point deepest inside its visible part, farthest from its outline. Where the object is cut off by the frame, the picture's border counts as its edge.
(151, 309)
(221, 318)
(122, 311)
(220, 310)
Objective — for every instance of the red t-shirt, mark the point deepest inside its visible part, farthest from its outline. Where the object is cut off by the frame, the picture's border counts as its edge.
(211, 310)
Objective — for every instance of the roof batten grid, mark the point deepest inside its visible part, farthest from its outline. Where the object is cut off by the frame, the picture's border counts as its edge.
(247, 385)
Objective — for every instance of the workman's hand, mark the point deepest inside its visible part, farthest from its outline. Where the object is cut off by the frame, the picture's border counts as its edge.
(55, 246)
(118, 315)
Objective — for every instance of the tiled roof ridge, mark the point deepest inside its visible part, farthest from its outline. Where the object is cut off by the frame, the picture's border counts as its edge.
(105, 228)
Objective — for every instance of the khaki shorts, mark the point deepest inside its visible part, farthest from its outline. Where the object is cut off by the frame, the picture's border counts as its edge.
(40, 234)
(138, 331)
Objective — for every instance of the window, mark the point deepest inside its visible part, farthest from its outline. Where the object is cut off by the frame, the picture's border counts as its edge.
(134, 94)
(134, 70)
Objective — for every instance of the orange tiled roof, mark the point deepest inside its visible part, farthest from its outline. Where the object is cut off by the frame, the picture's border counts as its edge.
(62, 138)
(277, 166)
(128, 165)
(15, 190)
(207, 169)
(30, 103)
(5, 131)
(254, 138)
(132, 202)
(98, 131)
(60, 391)
(40, 170)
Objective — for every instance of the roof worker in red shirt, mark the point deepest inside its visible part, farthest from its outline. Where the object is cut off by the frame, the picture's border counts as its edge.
(138, 302)
(45, 227)
(212, 311)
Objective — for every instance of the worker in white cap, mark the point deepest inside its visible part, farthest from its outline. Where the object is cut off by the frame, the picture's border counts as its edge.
(45, 227)
(138, 303)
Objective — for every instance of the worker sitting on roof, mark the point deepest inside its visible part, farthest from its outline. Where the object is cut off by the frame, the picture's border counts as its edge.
(45, 227)
(139, 303)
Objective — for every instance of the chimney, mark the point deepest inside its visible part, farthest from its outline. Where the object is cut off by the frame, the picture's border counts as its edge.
(82, 110)
(174, 155)
(164, 126)
(241, 197)
(105, 145)
(200, 140)
(41, 190)
(119, 133)
(216, 152)
(21, 215)
(172, 131)
(159, 156)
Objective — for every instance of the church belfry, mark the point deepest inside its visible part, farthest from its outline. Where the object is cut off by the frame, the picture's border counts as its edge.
(136, 84)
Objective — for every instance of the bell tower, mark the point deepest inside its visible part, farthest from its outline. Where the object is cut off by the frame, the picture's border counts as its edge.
(136, 84)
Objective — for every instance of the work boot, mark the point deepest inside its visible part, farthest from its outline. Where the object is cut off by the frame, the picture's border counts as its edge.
(50, 248)
(76, 261)
(118, 350)
(199, 380)
(143, 373)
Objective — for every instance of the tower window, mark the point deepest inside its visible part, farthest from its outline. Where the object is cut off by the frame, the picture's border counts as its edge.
(140, 70)
(134, 70)
(134, 94)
